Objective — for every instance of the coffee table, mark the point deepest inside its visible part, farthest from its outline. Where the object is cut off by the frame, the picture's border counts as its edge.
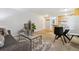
(31, 38)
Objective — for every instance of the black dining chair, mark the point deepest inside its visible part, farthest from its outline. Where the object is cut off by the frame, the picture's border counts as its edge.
(59, 33)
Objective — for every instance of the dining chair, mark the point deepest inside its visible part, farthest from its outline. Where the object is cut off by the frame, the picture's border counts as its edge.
(59, 33)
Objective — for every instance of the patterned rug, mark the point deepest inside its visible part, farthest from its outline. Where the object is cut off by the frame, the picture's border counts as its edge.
(49, 45)
(45, 46)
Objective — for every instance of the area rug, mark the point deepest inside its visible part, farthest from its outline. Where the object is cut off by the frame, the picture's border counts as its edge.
(45, 46)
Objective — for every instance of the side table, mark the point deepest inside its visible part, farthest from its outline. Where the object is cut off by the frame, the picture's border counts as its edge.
(31, 38)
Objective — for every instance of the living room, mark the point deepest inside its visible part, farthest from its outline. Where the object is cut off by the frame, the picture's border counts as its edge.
(13, 21)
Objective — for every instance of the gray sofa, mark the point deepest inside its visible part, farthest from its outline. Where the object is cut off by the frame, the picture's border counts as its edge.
(12, 45)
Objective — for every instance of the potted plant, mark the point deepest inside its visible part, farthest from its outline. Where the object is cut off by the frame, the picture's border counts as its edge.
(33, 27)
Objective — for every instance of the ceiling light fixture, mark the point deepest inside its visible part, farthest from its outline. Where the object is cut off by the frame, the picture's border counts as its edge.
(67, 9)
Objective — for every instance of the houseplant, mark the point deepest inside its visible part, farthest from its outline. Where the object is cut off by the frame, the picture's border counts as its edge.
(33, 27)
(30, 27)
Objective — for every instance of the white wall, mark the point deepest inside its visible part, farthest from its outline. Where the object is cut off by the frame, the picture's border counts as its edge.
(73, 23)
(15, 23)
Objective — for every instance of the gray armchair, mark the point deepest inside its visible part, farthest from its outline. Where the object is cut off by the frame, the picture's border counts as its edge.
(12, 45)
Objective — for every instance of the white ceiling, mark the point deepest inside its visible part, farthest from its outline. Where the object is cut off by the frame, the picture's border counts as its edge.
(49, 11)
(6, 12)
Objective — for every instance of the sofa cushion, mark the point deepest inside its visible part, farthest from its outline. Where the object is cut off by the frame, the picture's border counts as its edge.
(20, 46)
